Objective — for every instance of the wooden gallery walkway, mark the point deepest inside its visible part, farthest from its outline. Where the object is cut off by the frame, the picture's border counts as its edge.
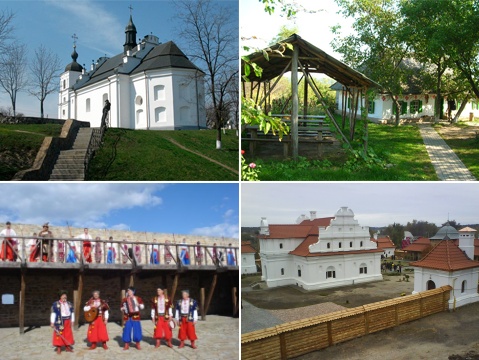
(133, 265)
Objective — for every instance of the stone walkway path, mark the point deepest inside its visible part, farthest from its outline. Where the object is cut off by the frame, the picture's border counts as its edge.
(447, 164)
(254, 318)
(217, 339)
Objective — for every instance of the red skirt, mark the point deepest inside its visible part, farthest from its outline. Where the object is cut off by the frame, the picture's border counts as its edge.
(97, 331)
(162, 329)
(66, 333)
(6, 253)
(187, 330)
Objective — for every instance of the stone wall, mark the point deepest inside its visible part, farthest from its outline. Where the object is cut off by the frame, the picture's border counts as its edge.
(63, 232)
(49, 151)
(42, 286)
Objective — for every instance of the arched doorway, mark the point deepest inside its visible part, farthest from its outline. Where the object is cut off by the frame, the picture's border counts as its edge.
(430, 285)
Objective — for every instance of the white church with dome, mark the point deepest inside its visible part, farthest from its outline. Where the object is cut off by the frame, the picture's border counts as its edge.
(150, 86)
(319, 253)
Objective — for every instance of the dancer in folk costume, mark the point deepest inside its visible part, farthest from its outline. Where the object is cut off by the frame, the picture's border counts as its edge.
(47, 243)
(198, 253)
(71, 256)
(215, 255)
(8, 242)
(61, 251)
(62, 318)
(111, 253)
(34, 245)
(230, 256)
(137, 253)
(125, 253)
(98, 251)
(186, 316)
(97, 332)
(155, 253)
(168, 257)
(184, 254)
(86, 237)
(131, 306)
(161, 315)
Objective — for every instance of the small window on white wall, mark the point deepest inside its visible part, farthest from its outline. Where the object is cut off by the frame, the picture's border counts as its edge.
(88, 105)
(463, 286)
(160, 114)
(159, 92)
(282, 271)
(280, 245)
(64, 84)
(139, 116)
(139, 100)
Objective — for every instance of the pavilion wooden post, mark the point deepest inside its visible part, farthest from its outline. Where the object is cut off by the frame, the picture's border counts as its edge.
(211, 292)
(294, 112)
(234, 300)
(174, 286)
(202, 303)
(77, 296)
(305, 95)
(21, 304)
(366, 121)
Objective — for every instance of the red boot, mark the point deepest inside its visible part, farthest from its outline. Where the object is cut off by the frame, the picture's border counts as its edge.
(170, 344)
(137, 345)
(157, 343)
(59, 350)
(92, 347)
(105, 346)
(69, 349)
(193, 344)
(127, 346)
(182, 344)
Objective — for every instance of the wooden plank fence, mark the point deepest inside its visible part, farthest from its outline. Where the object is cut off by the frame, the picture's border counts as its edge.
(300, 337)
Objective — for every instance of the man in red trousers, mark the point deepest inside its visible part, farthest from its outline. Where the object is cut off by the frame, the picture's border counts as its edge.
(62, 318)
(97, 332)
(186, 316)
(161, 315)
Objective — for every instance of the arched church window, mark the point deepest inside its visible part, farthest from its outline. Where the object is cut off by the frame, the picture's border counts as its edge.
(159, 92)
(88, 105)
(330, 272)
(139, 100)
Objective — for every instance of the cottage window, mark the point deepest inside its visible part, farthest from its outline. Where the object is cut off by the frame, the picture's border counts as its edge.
(299, 272)
(415, 106)
(403, 105)
(350, 244)
(282, 271)
(280, 245)
(330, 274)
(329, 245)
(475, 105)
(361, 244)
(371, 107)
(363, 270)
(340, 245)
(463, 286)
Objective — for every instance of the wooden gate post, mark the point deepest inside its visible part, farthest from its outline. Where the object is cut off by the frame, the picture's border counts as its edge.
(175, 285)
(202, 303)
(77, 296)
(210, 293)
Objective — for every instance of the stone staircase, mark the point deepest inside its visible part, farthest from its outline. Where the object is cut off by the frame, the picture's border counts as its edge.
(70, 165)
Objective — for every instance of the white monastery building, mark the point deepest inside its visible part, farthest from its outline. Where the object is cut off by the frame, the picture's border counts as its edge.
(450, 262)
(248, 261)
(319, 253)
(150, 85)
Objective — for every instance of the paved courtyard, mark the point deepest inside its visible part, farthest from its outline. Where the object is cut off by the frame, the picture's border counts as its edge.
(218, 338)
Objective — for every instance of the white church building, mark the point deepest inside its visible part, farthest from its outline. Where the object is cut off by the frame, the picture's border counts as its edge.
(319, 253)
(150, 85)
(450, 262)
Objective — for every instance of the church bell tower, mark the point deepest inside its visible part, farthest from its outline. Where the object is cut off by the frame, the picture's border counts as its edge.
(130, 35)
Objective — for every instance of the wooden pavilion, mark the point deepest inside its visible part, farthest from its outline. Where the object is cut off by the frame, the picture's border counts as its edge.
(301, 57)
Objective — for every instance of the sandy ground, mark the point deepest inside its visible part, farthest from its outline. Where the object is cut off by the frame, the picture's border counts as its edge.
(438, 336)
(217, 339)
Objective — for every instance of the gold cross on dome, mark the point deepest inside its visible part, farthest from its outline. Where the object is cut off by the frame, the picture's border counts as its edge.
(131, 9)
(75, 38)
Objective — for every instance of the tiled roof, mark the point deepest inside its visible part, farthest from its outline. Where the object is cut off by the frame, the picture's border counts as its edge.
(446, 256)
(246, 248)
(297, 231)
(384, 243)
(419, 245)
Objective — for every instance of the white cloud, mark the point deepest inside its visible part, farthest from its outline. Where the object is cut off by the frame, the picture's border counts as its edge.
(224, 229)
(120, 227)
(229, 213)
(80, 204)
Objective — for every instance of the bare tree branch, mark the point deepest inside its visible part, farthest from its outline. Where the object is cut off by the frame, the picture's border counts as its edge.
(13, 65)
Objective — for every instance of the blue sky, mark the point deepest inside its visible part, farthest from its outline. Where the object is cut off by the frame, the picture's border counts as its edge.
(209, 209)
(100, 27)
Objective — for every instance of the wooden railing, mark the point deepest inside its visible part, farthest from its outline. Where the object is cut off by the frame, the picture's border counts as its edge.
(97, 251)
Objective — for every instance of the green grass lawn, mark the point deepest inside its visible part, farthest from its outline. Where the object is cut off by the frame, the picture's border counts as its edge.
(149, 155)
(466, 148)
(19, 145)
(401, 148)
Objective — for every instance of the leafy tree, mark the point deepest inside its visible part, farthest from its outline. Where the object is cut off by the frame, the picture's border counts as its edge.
(396, 232)
(285, 32)
(421, 228)
(452, 223)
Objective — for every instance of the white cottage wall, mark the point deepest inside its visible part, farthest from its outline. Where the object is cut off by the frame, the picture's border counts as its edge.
(248, 264)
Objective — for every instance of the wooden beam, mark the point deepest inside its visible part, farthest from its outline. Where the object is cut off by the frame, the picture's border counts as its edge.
(21, 304)
(202, 303)
(211, 292)
(294, 112)
(234, 300)
(77, 296)
(276, 82)
(174, 286)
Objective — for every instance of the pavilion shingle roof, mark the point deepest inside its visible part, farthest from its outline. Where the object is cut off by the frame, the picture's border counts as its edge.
(246, 248)
(446, 256)
(384, 243)
(419, 245)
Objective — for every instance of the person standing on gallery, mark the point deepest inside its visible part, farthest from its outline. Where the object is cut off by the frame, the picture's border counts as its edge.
(198, 253)
(86, 237)
(47, 243)
(111, 253)
(97, 332)
(131, 306)
(62, 318)
(8, 242)
(186, 316)
(230, 256)
(161, 315)
(184, 254)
